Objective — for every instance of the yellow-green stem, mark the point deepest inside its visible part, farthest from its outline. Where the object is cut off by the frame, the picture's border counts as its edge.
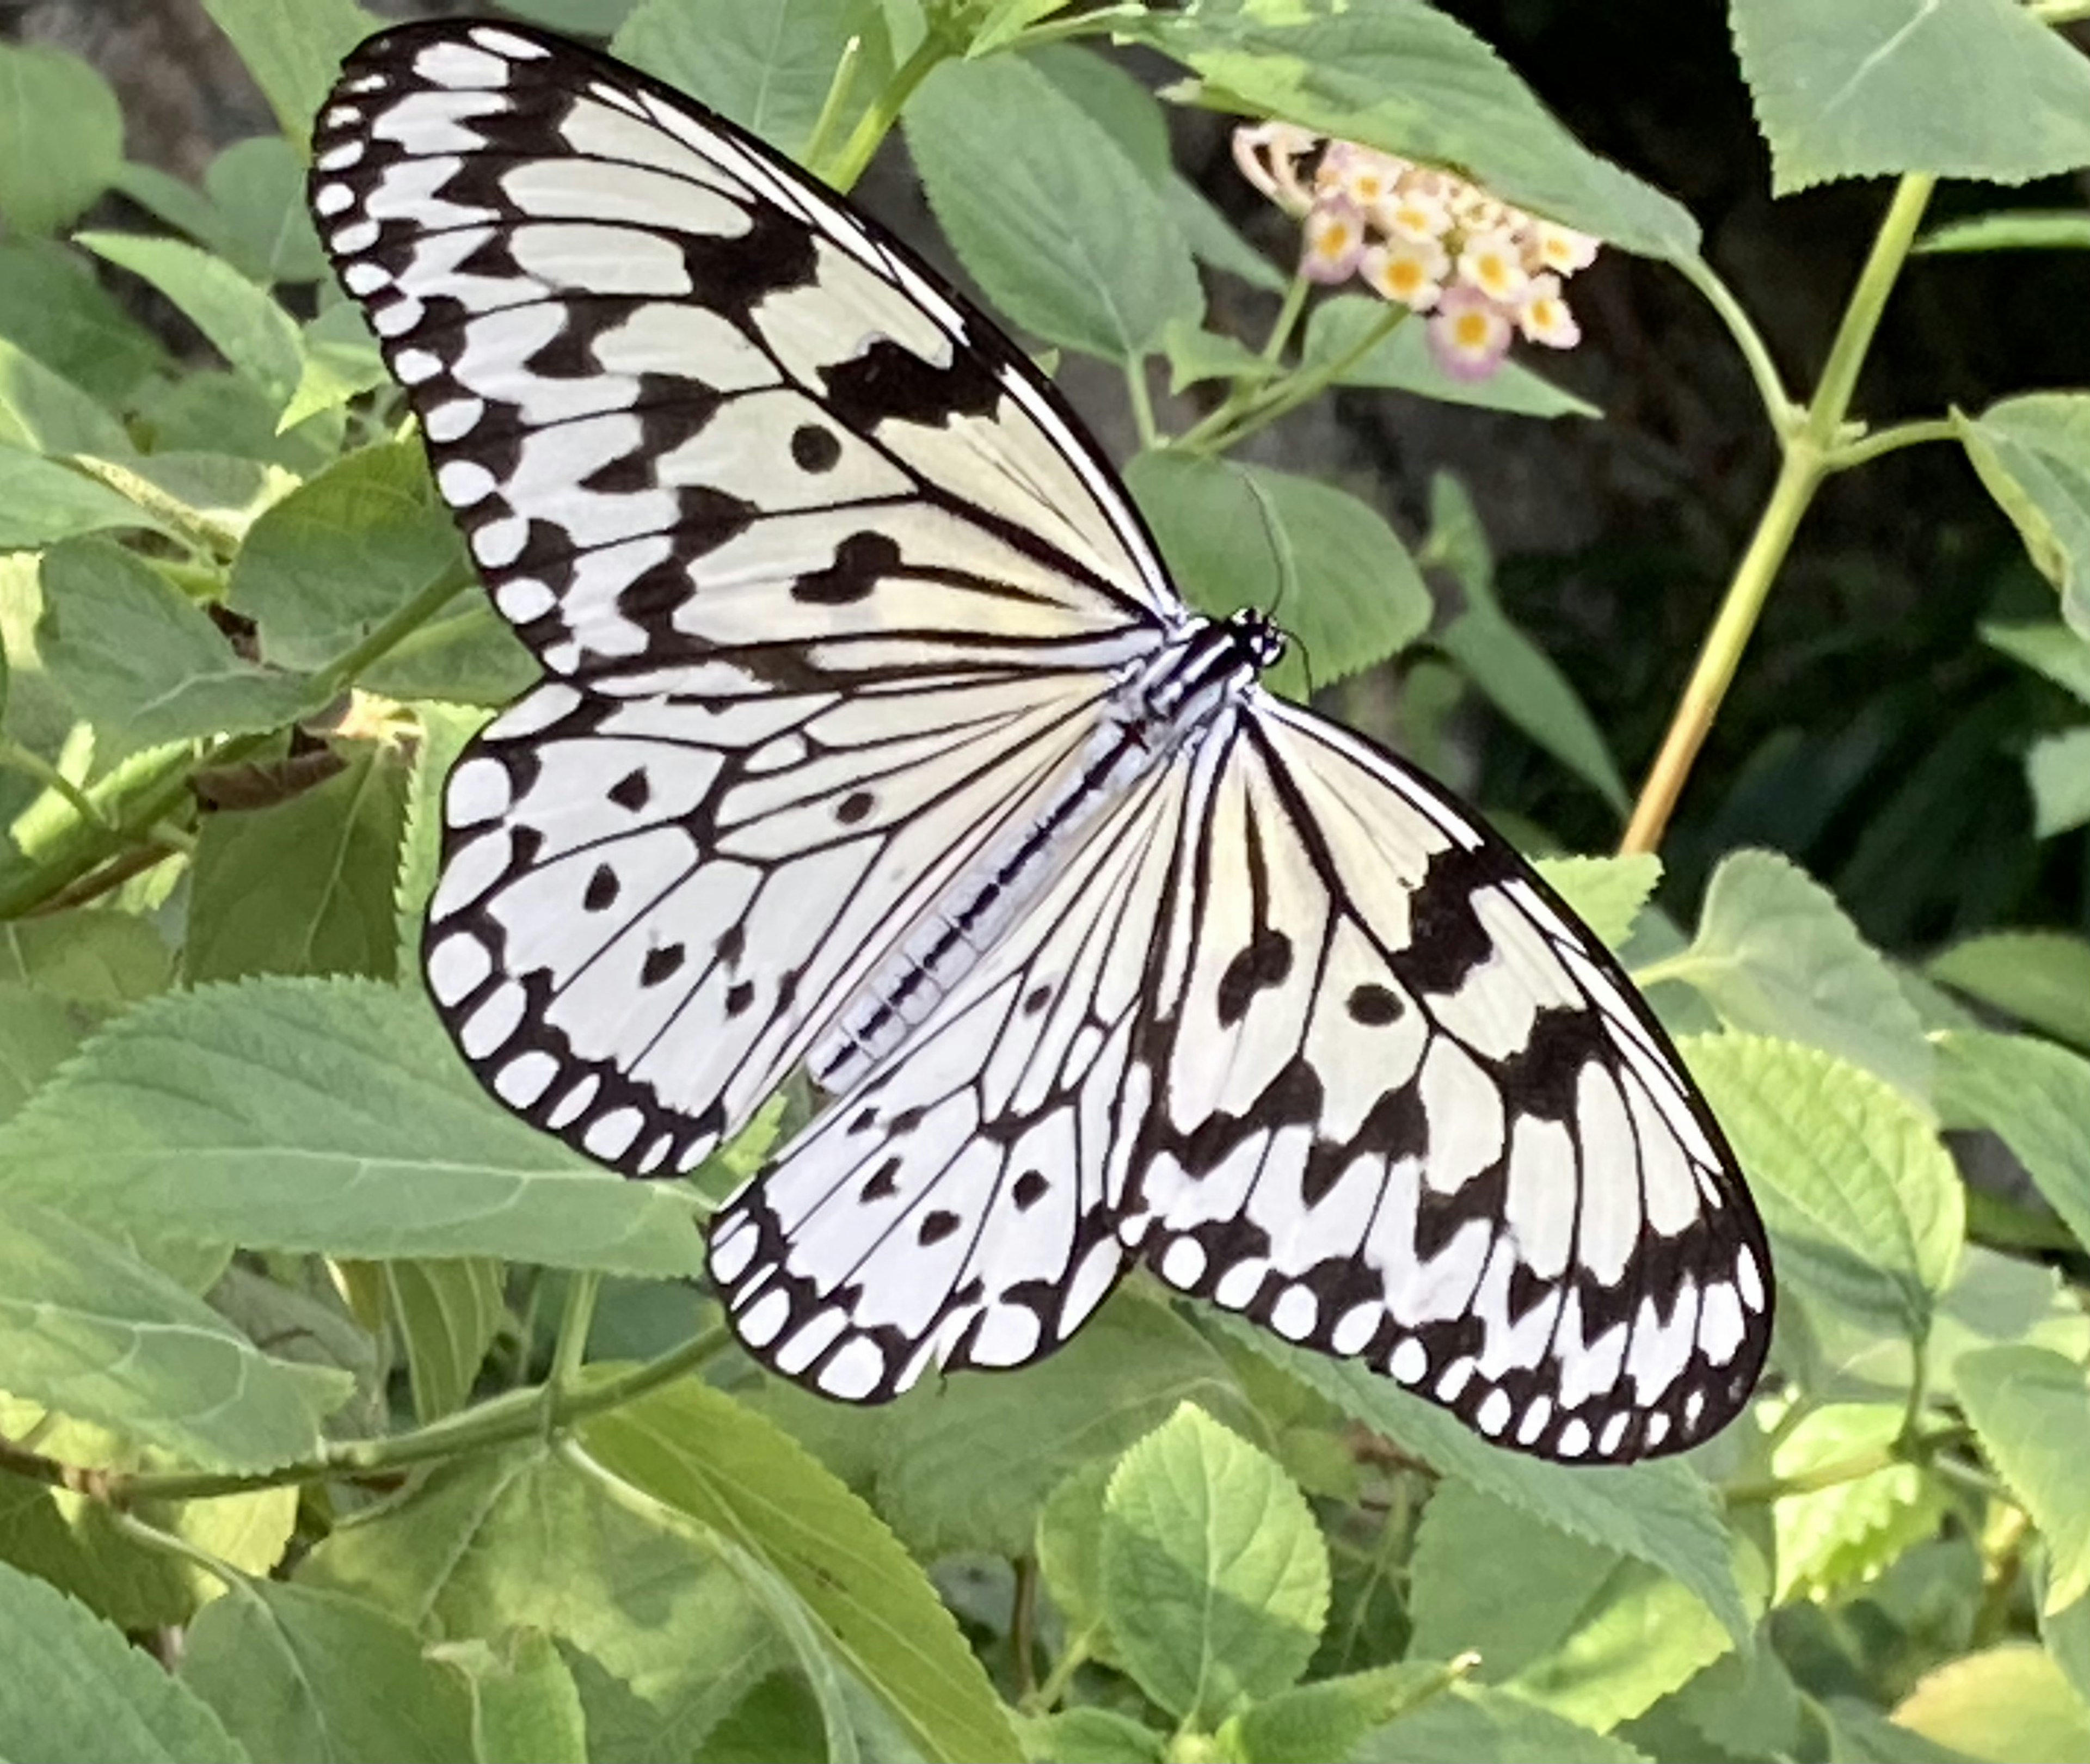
(1810, 449)
(842, 170)
(570, 1352)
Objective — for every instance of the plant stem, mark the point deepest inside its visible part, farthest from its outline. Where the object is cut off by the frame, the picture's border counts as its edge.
(1808, 448)
(1073, 24)
(2059, 11)
(842, 170)
(570, 1352)
(17, 758)
(1887, 440)
(1141, 402)
(1777, 405)
(831, 107)
(500, 1420)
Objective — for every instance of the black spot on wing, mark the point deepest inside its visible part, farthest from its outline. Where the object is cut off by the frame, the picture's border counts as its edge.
(1264, 963)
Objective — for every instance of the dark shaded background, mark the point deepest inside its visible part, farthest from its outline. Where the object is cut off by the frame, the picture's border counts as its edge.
(1870, 734)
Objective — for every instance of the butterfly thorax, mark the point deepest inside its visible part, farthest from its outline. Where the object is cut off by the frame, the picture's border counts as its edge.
(1183, 687)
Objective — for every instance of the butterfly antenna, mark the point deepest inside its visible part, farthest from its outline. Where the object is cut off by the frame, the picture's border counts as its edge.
(1281, 554)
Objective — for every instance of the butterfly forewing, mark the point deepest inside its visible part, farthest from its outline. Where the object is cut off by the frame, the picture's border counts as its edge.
(842, 611)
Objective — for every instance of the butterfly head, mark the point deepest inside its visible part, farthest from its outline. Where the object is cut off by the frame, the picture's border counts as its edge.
(1260, 643)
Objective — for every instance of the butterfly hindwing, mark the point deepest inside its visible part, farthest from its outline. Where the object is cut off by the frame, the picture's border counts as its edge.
(1406, 1111)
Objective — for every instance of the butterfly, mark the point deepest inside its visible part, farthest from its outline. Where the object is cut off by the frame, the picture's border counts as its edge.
(875, 742)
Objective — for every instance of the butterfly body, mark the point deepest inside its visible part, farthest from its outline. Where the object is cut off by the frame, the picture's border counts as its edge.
(876, 742)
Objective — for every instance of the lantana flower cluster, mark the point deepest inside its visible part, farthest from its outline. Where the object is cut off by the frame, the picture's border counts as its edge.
(1482, 270)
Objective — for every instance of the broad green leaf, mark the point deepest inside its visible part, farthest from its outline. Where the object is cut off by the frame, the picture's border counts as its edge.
(2010, 1704)
(970, 1464)
(1400, 75)
(1325, 565)
(2057, 769)
(213, 410)
(2042, 978)
(52, 308)
(1470, 1725)
(1401, 361)
(1859, 1734)
(1212, 238)
(340, 362)
(1864, 1206)
(2048, 647)
(1605, 893)
(1866, 88)
(241, 321)
(1196, 356)
(1518, 677)
(1085, 1735)
(2036, 1097)
(264, 229)
(303, 886)
(43, 502)
(142, 662)
(706, 1455)
(306, 1318)
(61, 137)
(328, 1115)
(294, 55)
(445, 728)
(1055, 223)
(38, 1034)
(448, 1314)
(1572, 1626)
(323, 567)
(43, 412)
(1312, 1722)
(89, 956)
(662, 1639)
(2032, 1411)
(1126, 110)
(2012, 229)
(305, 1677)
(525, 1709)
(75, 1688)
(2000, 1298)
(1832, 1539)
(1661, 1513)
(766, 64)
(1775, 956)
(1214, 1576)
(1002, 21)
(581, 18)
(2033, 453)
(1070, 1553)
(88, 1329)
(1745, 1701)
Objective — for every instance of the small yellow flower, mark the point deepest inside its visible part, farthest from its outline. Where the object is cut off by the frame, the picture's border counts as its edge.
(1491, 262)
(1468, 334)
(1408, 272)
(1558, 248)
(1543, 317)
(1413, 215)
(1334, 240)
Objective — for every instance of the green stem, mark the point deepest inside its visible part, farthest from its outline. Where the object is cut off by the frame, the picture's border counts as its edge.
(17, 758)
(500, 1420)
(1271, 402)
(1047, 1697)
(1288, 319)
(1777, 405)
(831, 107)
(170, 1543)
(1871, 447)
(843, 169)
(570, 1352)
(1142, 403)
(1074, 25)
(1809, 448)
(2059, 11)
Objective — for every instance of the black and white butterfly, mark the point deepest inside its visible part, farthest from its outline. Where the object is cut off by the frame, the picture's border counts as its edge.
(875, 740)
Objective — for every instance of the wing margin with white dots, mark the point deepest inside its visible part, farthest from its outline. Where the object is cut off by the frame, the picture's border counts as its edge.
(1406, 1110)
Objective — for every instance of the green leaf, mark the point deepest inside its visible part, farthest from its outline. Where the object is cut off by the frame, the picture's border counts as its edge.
(340, 362)
(89, 956)
(1086, 1735)
(1196, 356)
(1310, 1723)
(37, 1034)
(1569, 1624)
(1399, 76)
(304, 886)
(1126, 110)
(142, 662)
(706, 1455)
(305, 1677)
(43, 412)
(2033, 453)
(264, 229)
(970, 1464)
(1832, 1539)
(1605, 893)
(1055, 222)
(43, 502)
(1860, 1735)
(1864, 1205)
(2001, 1298)
(293, 54)
(1214, 1576)
(1212, 238)
(525, 1709)
(88, 1329)
(2041, 977)
(1868, 88)
(61, 137)
(52, 308)
(2009, 1703)
(325, 565)
(1775, 955)
(1401, 361)
(2012, 229)
(445, 728)
(1468, 1725)
(328, 1115)
(2048, 647)
(2057, 770)
(75, 1688)
(241, 321)
(662, 1640)
(766, 64)
(1518, 677)
(2034, 1097)
(1002, 21)
(448, 1314)
(2032, 1411)
(1661, 1513)
(1330, 568)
